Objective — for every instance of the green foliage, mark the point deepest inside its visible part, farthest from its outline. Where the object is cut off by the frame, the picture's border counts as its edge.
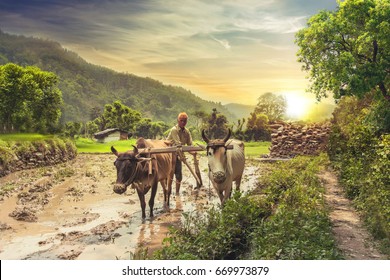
(222, 234)
(29, 99)
(6, 154)
(360, 151)
(257, 128)
(118, 115)
(148, 129)
(271, 105)
(72, 129)
(284, 219)
(300, 227)
(216, 125)
(346, 52)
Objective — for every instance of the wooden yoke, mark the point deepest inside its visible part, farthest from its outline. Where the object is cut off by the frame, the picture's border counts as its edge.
(174, 149)
(179, 150)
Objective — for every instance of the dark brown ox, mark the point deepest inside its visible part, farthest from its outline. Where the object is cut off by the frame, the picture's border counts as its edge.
(144, 172)
(225, 165)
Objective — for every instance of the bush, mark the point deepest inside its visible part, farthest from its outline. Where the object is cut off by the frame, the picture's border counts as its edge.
(221, 234)
(300, 227)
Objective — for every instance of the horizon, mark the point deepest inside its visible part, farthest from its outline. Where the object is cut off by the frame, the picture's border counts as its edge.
(222, 52)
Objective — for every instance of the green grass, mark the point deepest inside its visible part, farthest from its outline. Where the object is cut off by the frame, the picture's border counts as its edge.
(286, 218)
(84, 145)
(24, 136)
(255, 149)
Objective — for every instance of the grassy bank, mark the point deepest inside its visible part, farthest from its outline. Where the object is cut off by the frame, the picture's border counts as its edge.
(25, 151)
(284, 218)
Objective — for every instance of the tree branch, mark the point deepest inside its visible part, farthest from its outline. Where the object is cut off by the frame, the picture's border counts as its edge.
(375, 44)
(384, 91)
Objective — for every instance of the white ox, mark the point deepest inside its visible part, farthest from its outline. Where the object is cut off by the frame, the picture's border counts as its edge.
(225, 165)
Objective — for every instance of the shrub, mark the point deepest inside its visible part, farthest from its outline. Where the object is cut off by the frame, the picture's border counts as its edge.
(220, 234)
(300, 227)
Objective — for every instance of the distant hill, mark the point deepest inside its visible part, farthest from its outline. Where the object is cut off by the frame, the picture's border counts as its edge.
(86, 88)
(239, 110)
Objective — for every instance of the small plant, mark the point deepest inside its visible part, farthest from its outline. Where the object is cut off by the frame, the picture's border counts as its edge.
(7, 188)
(63, 173)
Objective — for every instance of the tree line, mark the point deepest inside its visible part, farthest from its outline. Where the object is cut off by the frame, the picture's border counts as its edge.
(270, 107)
(30, 101)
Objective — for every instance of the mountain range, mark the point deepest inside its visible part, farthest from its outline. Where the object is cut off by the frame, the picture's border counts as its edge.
(86, 87)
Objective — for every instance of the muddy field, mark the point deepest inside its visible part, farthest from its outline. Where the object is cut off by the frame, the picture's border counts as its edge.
(69, 211)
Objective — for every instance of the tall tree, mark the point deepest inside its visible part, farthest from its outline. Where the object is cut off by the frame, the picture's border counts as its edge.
(271, 105)
(29, 99)
(118, 115)
(347, 51)
(257, 128)
(217, 125)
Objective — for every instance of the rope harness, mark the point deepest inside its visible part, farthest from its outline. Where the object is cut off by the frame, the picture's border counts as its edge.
(138, 168)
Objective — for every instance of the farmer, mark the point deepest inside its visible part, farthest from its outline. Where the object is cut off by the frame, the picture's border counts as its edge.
(180, 136)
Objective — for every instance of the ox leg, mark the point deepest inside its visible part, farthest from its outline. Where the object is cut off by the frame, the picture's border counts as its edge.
(167, 193)
(228, 192)
(221, 197)
(152, 196)
(141, 197)
(238, 183)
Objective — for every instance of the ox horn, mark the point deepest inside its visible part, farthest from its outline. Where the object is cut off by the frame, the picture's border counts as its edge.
(227, 136)
(205, 137)
(135, 150)
(114, 151)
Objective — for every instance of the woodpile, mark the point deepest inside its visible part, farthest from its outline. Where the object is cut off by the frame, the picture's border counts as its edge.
(290, 140)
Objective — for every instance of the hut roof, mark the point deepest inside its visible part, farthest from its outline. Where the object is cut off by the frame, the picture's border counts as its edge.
(106, 132)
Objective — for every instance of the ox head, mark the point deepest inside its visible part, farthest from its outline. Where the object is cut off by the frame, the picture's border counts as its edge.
(217, 158)
(126, 168)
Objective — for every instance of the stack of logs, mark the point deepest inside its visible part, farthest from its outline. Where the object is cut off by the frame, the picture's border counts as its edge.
(290, 140)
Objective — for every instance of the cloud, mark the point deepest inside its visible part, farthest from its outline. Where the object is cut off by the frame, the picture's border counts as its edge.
(219, 48)
(224, 43)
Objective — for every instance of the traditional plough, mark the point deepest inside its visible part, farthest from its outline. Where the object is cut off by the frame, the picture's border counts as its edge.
(180, 150)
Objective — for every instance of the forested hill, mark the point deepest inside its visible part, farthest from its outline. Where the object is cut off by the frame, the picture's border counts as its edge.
(86, 88)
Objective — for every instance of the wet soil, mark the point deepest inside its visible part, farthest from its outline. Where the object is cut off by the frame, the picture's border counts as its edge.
(69, 211)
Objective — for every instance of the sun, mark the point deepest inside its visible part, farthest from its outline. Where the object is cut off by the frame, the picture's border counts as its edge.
(297, 106)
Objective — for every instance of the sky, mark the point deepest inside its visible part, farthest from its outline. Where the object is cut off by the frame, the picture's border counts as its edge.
(225, 51)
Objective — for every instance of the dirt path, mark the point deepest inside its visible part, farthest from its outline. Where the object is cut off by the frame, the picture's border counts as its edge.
(351, 237)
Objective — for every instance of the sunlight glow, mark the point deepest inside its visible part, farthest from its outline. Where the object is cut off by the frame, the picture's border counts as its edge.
(297, 106)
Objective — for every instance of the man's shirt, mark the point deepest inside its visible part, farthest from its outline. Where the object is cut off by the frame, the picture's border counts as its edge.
(180, 136)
